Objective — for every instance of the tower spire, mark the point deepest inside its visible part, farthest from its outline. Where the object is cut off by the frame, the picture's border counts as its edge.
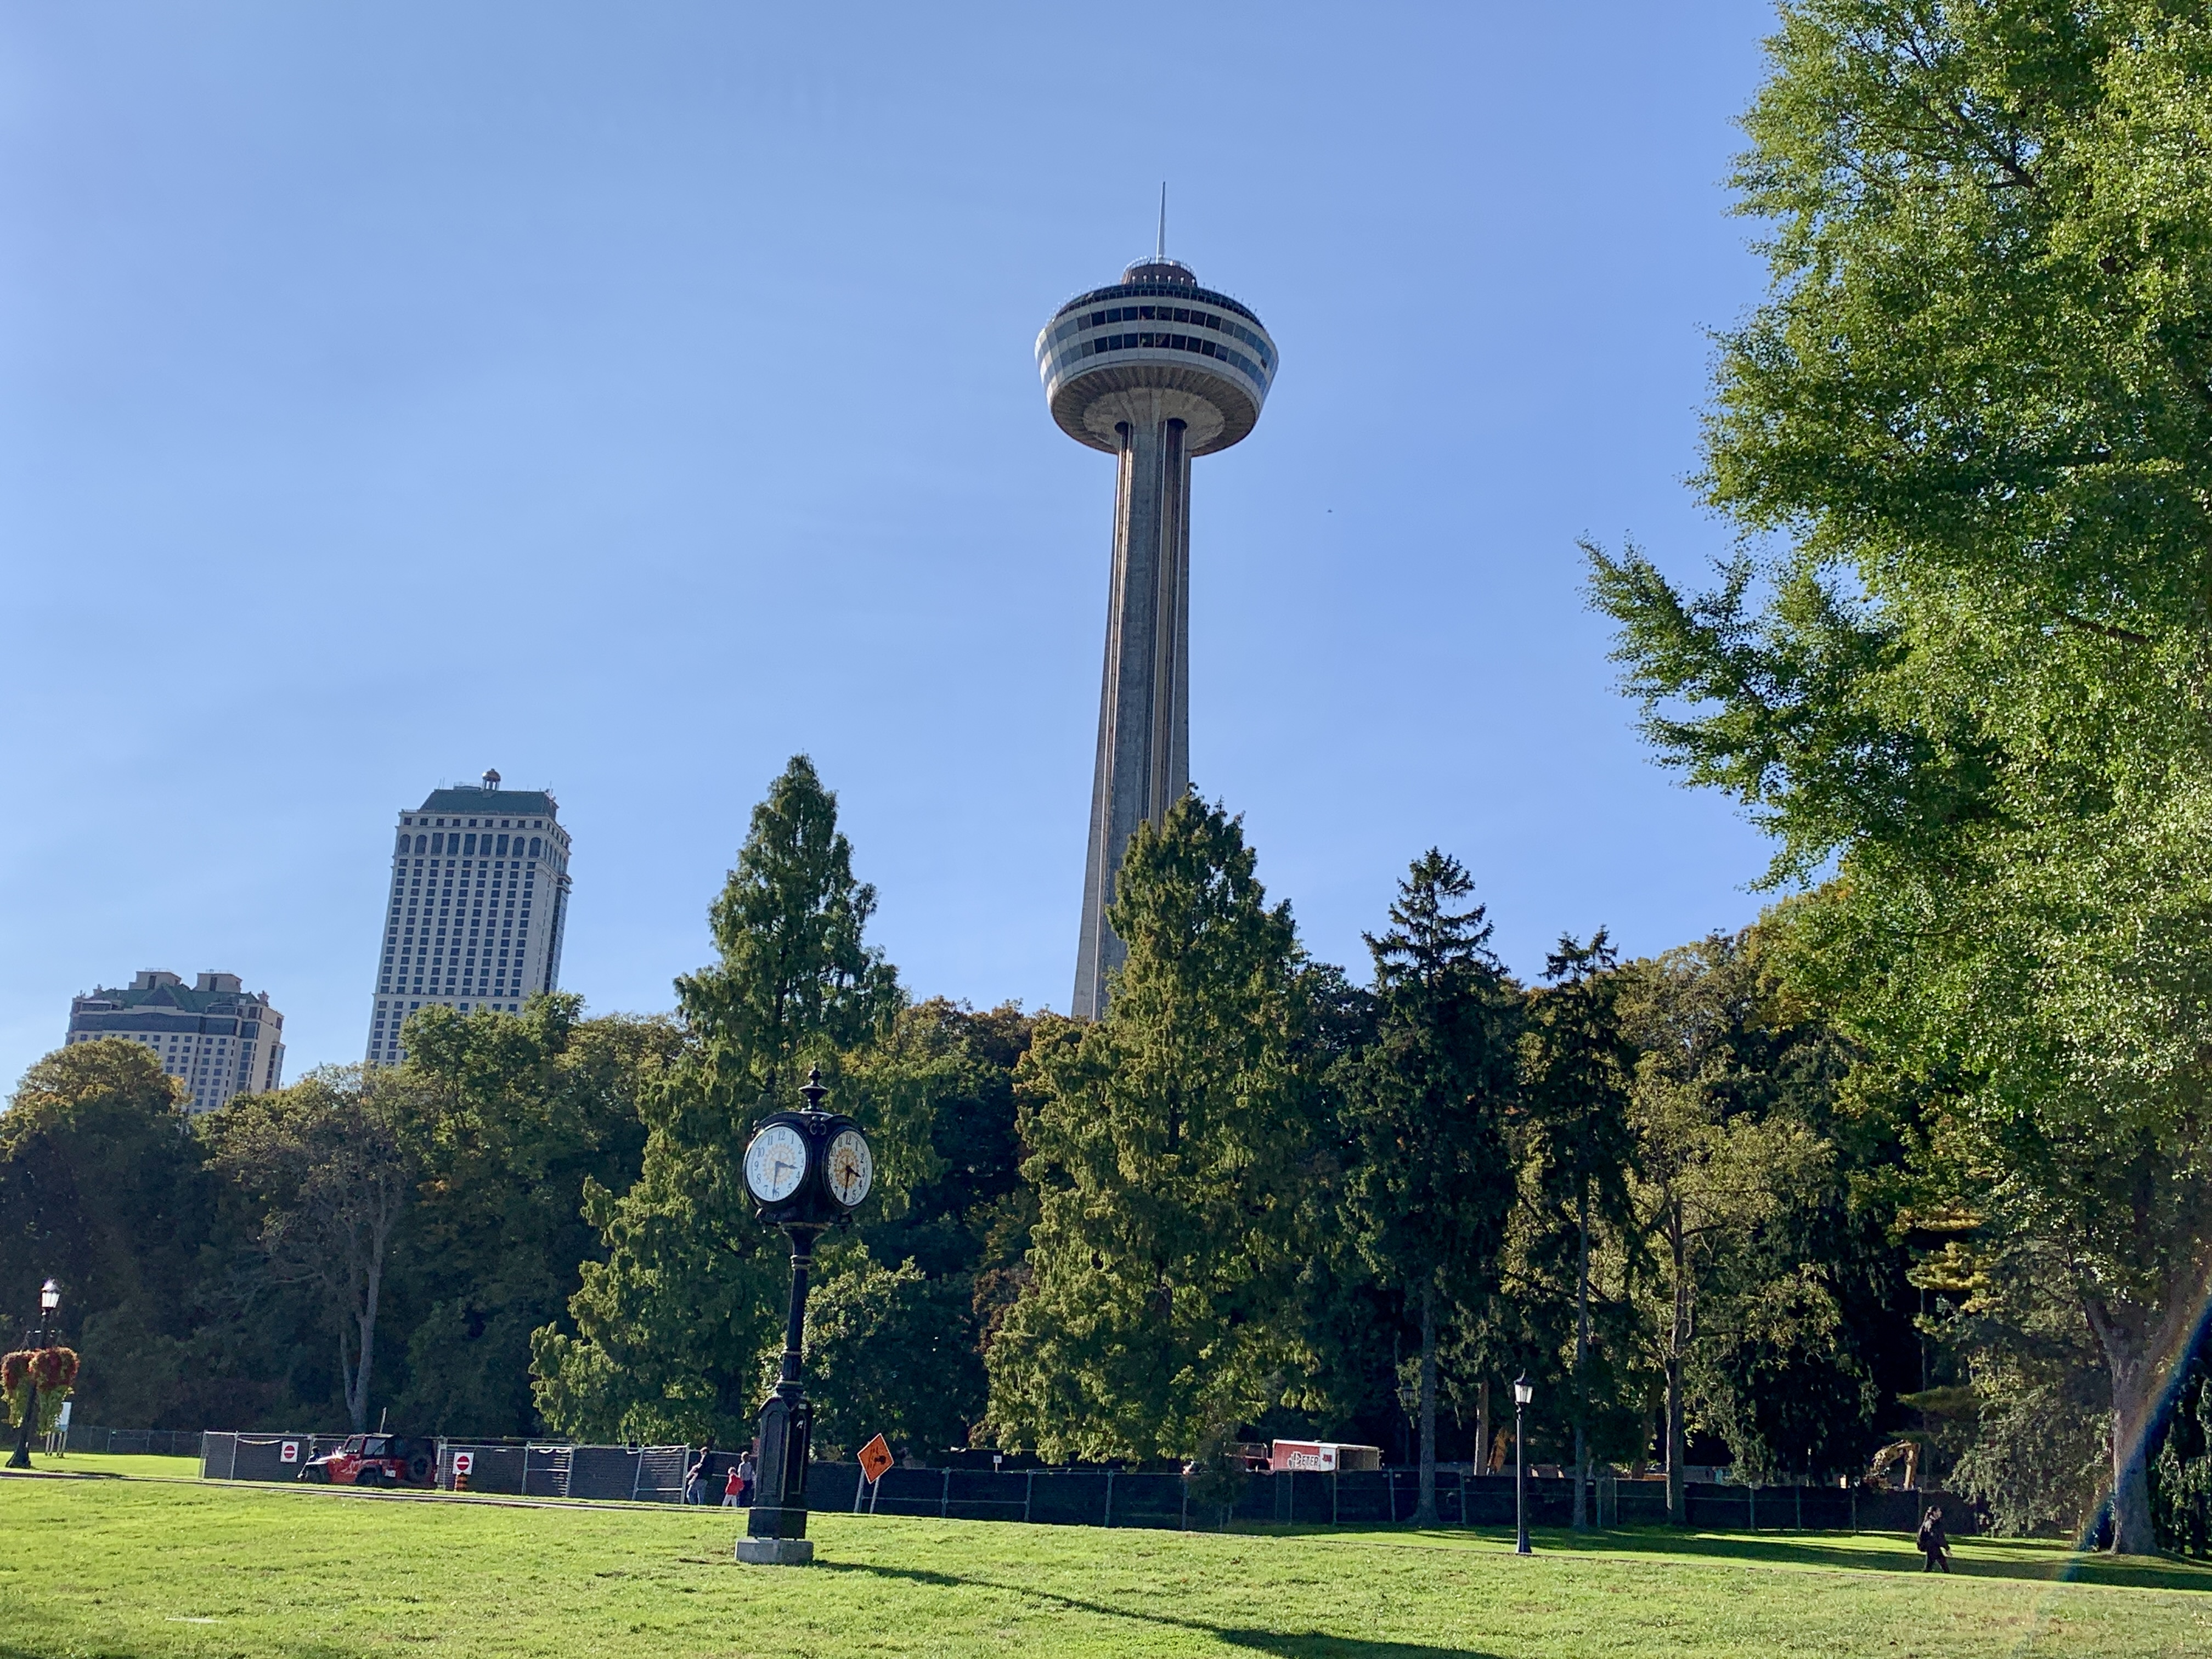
(1161, 250)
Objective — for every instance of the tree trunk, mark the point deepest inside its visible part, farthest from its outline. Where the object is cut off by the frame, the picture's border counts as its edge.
(1677, 1336)
(1425, 1511)
(2136, 1380)
(1482, 1427)
(1582, 1359)
(356, 1388)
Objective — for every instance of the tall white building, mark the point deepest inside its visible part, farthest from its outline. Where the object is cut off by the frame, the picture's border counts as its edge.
(216, 1037)
(479, 895)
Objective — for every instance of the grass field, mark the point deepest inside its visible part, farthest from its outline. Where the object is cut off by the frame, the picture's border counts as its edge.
(111, 1567)
(137, 1463)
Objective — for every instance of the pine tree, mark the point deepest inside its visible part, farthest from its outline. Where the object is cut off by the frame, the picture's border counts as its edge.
(1166, 1146)
(1423, 1107)
(670, 1327)
(1576, 1066)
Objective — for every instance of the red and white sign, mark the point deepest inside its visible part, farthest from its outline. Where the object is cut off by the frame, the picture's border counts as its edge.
(289, 1452)
(1325, 1456)
(464, 1462)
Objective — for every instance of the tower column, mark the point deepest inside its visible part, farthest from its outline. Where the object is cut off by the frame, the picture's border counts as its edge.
(1144, 703)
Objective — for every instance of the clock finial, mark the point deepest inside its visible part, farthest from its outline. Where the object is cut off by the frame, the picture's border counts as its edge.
(814, 1091)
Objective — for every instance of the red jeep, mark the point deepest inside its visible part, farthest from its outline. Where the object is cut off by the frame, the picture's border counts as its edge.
(374, 1460)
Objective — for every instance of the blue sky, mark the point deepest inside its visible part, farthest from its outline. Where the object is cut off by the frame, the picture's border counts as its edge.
(627, 397)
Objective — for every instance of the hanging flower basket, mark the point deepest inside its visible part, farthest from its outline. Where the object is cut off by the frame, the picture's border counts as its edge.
(54, 1370)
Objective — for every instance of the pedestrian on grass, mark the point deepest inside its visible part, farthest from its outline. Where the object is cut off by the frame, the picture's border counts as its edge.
(695, 1478)
(745, 1472)
(1932, 1542)
(734, 1488)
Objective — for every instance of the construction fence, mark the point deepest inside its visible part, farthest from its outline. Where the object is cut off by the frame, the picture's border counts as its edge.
(161, 1442)
(1110, 1497)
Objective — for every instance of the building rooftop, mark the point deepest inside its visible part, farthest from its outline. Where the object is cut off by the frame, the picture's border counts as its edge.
(154, 989)
(510, 803)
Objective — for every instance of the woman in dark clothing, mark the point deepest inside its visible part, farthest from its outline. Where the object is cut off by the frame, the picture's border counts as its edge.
(1933, 1543)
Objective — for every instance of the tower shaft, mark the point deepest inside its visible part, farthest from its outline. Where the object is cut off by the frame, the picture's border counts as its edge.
(1144, 700)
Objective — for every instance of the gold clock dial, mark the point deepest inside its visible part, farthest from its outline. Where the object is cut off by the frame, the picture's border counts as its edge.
(852, 1167)
(775, 1163)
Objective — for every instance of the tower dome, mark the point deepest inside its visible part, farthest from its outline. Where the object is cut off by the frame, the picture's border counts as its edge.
(1194, 355)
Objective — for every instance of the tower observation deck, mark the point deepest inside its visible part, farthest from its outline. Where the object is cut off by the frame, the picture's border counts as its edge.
(1153, 370)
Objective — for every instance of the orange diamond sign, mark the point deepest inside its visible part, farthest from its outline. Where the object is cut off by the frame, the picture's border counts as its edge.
(875, 1458)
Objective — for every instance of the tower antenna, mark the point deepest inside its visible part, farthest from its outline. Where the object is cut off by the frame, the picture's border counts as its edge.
(1162, 251)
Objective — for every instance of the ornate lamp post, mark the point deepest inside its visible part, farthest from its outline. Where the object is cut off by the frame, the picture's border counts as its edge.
(50, 1297)
(1523, 1394)
(808, 1170)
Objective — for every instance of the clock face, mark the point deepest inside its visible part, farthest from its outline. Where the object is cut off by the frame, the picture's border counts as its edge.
(852, 1167)
(775, 1163)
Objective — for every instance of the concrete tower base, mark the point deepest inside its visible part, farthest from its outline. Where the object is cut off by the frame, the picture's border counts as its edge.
(1143, 705)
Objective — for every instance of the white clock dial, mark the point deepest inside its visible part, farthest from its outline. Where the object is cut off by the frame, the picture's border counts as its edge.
(852, 1167)
(775, 1163)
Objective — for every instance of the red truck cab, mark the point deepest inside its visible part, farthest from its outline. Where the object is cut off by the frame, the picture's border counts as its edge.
(374, 1460)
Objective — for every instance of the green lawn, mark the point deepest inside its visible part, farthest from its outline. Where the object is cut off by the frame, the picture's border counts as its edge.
(107, 1567)
(138, 1463)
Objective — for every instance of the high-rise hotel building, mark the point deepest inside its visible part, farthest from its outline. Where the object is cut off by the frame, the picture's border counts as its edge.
(216, 1037)
(479, 895)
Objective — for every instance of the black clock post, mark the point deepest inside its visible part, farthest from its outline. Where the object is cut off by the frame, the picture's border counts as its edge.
(807, 1170)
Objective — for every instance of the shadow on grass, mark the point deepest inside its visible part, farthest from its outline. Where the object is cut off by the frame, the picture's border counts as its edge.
(1288, 1645)
(1844, 1552)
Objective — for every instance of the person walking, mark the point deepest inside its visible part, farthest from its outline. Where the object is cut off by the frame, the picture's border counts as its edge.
(695, 1478)
(746, 1470)
(1933, 1541)
(734, 1488)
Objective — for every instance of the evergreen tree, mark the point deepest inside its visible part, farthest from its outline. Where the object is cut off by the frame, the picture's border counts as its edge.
(1577, 1062)
(669, 1326)
(1423, 1109)
(1168, 1143)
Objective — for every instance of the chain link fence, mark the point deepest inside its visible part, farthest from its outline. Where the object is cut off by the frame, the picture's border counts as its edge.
(1113, 1498)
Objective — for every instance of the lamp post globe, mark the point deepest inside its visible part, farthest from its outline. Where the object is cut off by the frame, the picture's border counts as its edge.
(1523, 1394)
(807, 1172)
(50, 1297)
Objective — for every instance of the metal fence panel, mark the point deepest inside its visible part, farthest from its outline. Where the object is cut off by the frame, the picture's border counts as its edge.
(604, 1473)
(159, 1442)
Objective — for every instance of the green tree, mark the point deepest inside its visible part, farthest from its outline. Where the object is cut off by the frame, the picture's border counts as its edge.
(101, 1188)
(1970, 434)
(1574, 1068)
(1167, 1146)
(323, 1166)
(1424, 1105)
(669, 1326)
(1752, 1257)
(892, 1351)
(505, 1120)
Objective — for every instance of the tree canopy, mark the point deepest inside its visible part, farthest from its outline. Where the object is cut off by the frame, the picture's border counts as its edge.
(1961, 661)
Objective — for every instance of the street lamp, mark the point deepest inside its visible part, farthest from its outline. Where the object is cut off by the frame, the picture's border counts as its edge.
(808, 1170)
(1523, 1394)
(50, 1297)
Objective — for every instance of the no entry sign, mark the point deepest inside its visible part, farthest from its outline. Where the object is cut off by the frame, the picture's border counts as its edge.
(464, 1462)
(289, 1452)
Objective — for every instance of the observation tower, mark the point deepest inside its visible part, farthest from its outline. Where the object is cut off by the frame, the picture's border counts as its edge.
(1153, 370)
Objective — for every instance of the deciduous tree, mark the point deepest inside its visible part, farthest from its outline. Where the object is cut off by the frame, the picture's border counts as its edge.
(1969, 435)
(323, 1164)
